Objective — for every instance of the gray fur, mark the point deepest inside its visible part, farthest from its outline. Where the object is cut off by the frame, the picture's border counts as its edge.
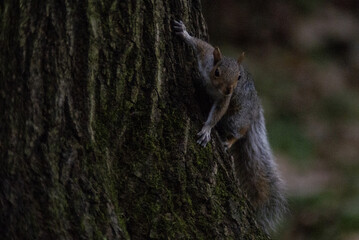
(245, 99)
(232, 114)
(254, 153)
(255, 164)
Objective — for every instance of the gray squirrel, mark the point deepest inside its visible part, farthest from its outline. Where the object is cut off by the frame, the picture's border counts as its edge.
(238, 115)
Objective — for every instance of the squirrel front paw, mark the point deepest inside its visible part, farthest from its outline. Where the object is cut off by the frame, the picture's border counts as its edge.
(180, 28)
(204, 136)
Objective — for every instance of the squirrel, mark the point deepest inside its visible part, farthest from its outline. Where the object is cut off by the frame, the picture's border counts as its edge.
(238, 116)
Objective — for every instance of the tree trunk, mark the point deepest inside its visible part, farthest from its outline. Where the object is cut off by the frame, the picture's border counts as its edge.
(99, 117)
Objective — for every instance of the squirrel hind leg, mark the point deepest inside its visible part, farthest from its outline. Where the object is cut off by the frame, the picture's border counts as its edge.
(232, 139)
(229, 142)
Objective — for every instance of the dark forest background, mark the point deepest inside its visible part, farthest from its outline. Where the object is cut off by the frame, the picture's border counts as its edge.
(304, 56)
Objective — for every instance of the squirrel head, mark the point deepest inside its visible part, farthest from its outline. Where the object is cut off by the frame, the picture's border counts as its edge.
(225, 72)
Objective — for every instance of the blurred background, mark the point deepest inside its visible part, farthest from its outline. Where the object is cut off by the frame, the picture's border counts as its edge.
(304, 57)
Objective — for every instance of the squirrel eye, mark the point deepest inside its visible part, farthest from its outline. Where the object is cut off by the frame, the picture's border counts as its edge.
(216, 73)
(239, 77)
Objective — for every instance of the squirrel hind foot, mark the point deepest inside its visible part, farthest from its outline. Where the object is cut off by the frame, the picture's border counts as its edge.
(229, 143)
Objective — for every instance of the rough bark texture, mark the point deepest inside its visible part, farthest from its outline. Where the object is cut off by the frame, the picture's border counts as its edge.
(98, 126)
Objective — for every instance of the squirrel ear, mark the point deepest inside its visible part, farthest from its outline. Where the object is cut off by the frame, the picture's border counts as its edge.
(217, 55)
(240, 59)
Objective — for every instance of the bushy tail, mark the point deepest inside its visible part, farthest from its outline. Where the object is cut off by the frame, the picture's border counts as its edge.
(259, 176)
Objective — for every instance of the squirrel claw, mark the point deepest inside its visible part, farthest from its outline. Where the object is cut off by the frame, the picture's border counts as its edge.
(204, 136)
(178, 26)
(226, 145)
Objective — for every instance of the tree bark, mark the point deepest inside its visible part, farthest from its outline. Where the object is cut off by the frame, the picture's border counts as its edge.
(99, 115)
